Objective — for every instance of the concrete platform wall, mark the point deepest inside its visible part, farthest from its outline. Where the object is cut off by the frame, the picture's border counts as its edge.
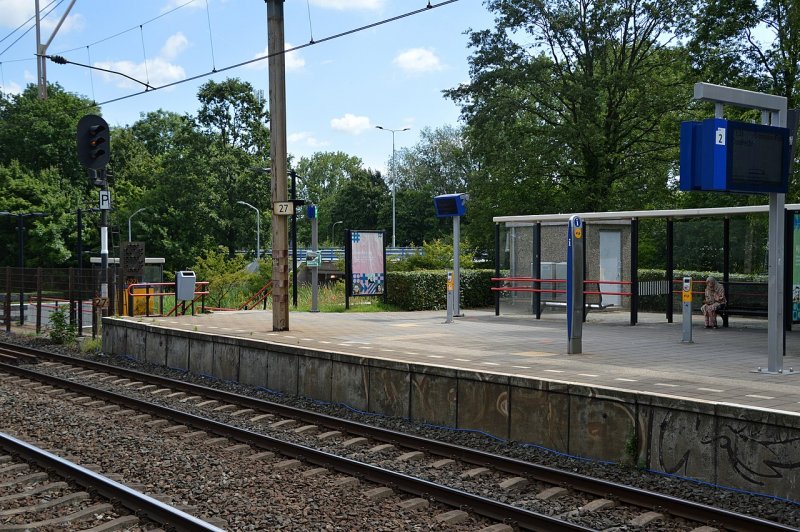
(746, 449)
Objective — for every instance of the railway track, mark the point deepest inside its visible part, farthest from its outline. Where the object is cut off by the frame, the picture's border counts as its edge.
(30, 499)
(521, 492)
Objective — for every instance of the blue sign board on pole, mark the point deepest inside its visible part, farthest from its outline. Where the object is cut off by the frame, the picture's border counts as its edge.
(726, 156)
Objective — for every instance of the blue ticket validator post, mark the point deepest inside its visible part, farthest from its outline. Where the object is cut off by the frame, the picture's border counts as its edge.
(575, 276)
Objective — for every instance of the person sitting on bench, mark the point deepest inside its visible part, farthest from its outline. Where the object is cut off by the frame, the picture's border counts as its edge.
(714, 300)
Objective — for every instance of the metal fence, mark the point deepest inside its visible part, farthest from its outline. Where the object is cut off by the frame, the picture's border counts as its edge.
(30, 295)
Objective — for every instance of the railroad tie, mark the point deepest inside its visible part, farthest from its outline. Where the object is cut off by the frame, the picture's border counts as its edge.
(472, 473)
(38, 490)
(191, 398)
(594, 506)
(261, 417)
(213, 442)
(380, 448)
(79, 516)
(513, 484)
(414, 504)
(376, 494)
(261, 456)
(329, 434)
(453, 517)
(288, 465)
(354, 442)
(551, 493)
(316, 472)
(646, 518)
(444, 462)
(66, 500)
(175, 429)
(411, 456)
(498, 527)
(237, 448)
(306, 429)
(284, 423)
(347, 482)
(26, 480)
(125, 522)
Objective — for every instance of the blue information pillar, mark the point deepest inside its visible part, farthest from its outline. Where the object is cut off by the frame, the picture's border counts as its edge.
(575, 276)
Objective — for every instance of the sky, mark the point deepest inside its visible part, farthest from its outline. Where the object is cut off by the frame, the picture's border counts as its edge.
(390, 75)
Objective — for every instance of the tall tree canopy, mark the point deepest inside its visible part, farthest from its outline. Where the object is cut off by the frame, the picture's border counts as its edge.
(569, 101)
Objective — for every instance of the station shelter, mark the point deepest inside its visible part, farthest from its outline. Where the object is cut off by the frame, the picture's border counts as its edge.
(729, 243)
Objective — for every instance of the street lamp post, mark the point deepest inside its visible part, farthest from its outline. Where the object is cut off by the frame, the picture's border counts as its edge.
(394, 180)
(258, 228)
(333, 228)
(129, 221)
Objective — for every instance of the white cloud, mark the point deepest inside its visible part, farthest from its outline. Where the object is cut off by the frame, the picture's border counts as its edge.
(418, 60)
(342, 5)
(11, 88)
(294, 61)
(18, 12)
(175, 44)
(15, 12)
(158, 71)
(29, 76)
(306, 139)
(350, 123)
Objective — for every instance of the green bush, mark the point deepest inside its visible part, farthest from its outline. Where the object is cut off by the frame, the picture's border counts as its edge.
(435, 255)
(61, 331)
(427, 290)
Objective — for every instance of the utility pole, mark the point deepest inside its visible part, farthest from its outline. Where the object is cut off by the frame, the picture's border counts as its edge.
(278, 154)
(41, 49)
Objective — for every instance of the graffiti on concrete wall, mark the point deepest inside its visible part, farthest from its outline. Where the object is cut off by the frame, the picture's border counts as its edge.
(750, 452)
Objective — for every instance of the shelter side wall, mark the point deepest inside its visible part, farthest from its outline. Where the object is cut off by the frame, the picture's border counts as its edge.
(752, 450)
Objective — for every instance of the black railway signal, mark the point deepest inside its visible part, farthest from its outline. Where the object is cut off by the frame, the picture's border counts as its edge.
(94, 142)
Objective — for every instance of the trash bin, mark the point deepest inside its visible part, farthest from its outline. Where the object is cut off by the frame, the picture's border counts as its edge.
(184, 285)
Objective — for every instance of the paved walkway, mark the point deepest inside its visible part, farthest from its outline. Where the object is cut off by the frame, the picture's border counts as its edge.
(649, 357)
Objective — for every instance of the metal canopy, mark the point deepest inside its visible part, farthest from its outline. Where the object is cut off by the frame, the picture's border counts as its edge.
(631, 215)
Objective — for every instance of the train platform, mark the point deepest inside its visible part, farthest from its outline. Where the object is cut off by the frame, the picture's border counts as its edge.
(719, 366)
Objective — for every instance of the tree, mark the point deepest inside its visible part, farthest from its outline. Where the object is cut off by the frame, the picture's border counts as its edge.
(750, 44)
(440, 163)
(568, 99)
(362, 202)
(41, 133)
(235, 115)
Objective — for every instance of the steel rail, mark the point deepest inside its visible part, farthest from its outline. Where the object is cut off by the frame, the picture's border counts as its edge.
(677, 507)
(483, 506)
(136, 502)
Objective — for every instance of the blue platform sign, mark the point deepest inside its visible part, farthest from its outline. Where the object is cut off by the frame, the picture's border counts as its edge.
(721, 155)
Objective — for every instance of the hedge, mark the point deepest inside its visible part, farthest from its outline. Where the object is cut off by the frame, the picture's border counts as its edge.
(427, 289)
(657, 303)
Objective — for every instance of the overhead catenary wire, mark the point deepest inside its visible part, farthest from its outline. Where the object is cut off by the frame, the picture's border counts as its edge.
(358, 29)
(132, 28)
(211, 39)
(29, 29)
(15, 30)
(144, 55)
(310, 29)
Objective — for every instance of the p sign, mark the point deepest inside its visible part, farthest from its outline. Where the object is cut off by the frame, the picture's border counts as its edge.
(105, 200)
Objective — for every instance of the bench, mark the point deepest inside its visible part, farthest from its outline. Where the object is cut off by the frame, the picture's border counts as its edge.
(744, 299)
